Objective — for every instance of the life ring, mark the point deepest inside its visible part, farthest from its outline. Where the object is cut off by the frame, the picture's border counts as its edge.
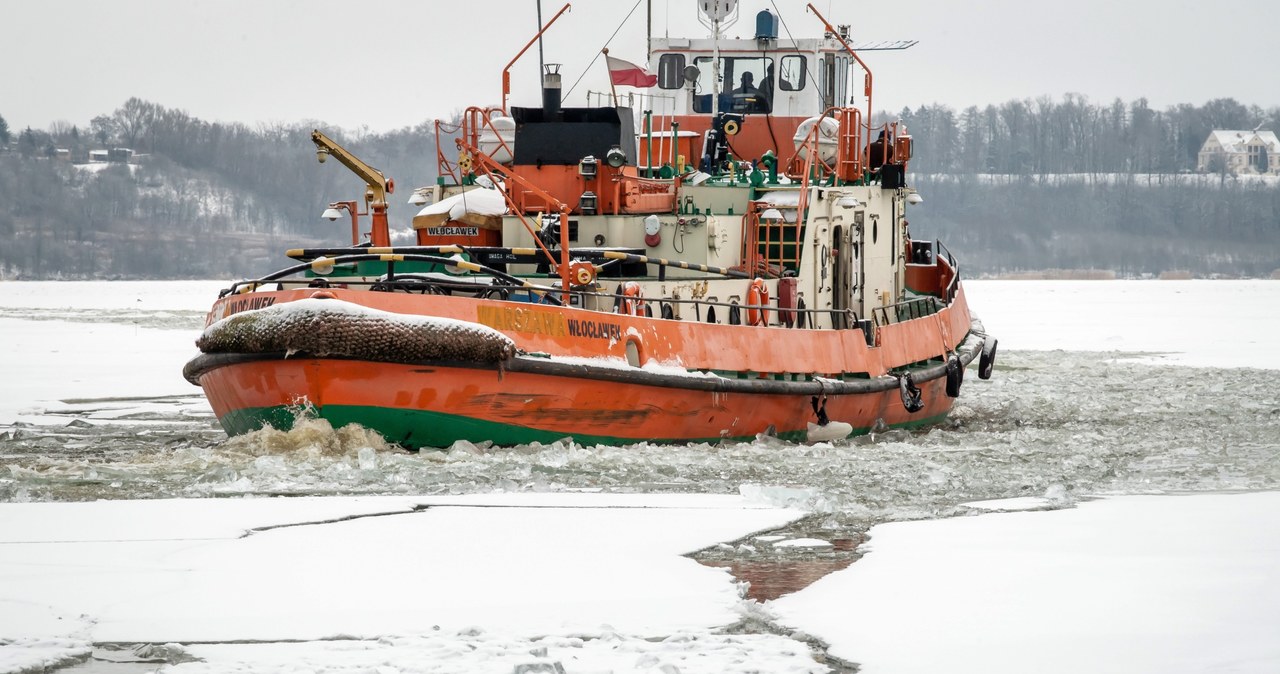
(911, 396)
(955, 375)
(757, 299)
(631, 300)
(988, 359)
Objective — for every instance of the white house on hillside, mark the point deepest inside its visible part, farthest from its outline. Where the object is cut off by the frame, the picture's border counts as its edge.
(1240, 152)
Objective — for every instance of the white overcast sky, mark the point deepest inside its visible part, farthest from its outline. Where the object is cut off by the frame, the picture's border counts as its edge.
(389, 64)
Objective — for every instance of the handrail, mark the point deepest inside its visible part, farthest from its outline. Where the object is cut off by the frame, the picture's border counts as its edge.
(954, 283)
(515, 283)
(328, 263)
(442, 164)
(810, 147)
(848, 146)
(836, 34)
(475, 118)
(752, 259)
(663, 262)
(888, 146)
(554, 205)
(918, 307)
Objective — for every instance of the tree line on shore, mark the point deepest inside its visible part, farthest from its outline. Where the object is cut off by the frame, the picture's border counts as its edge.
(203, 199)
(1072, 135)
(213, 199)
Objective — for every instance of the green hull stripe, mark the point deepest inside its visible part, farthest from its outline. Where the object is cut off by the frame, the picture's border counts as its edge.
(417, 429)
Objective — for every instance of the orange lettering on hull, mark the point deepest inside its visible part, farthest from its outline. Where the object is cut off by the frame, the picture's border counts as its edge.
(527, 321)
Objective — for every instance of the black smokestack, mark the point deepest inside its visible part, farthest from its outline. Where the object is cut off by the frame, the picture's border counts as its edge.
(551, 92)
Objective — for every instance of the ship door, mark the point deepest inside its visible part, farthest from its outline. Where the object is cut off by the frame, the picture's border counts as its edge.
(841, 276)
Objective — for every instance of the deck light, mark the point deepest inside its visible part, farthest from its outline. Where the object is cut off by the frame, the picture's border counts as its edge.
(419, 198)
(914, 198)
(771, 214)
(851, 202)
(331, 214)
(615, 157)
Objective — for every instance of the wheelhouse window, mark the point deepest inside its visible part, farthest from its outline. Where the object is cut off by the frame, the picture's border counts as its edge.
(833, 77)
(791, 75)
(671, 71)
(748, 84)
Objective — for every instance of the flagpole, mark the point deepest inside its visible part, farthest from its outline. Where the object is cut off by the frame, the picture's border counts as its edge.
(541, 62)
(605, 51)
(648, 37)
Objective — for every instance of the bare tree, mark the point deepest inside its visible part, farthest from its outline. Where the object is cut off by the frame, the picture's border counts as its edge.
(60, 129)
(134, 119)
(103, 128)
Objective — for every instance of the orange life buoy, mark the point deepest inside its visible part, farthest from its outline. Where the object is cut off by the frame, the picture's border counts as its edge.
(632, 299)
(757, 299)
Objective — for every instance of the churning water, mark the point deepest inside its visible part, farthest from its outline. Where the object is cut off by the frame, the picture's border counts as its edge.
(1048, 424)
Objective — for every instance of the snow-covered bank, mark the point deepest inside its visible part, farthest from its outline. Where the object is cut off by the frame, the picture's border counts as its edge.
(1132, 584)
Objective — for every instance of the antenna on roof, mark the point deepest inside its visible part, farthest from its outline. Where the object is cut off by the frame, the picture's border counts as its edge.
(884, 45)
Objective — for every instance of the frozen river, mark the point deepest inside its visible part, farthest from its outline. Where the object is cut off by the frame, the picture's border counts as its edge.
(1122, 389)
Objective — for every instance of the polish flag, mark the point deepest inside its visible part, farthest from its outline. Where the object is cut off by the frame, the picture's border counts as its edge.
(627, 74)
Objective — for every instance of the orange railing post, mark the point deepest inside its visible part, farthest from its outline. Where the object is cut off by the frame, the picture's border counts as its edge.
(442, 163)
(866, 82)
(490, 167)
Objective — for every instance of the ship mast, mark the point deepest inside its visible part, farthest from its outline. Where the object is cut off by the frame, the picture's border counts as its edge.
(716, 15)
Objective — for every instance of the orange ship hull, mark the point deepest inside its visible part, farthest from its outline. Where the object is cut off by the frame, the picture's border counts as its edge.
(697, 382)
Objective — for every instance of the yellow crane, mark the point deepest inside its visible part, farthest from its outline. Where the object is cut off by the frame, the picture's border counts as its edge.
(375, 194)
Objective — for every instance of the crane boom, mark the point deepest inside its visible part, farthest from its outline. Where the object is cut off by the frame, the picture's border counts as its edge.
(377, 182)
(379, 186)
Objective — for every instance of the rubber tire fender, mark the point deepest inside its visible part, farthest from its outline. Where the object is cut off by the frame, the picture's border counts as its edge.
(912, 398)
(988, 359)
(955, 376)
